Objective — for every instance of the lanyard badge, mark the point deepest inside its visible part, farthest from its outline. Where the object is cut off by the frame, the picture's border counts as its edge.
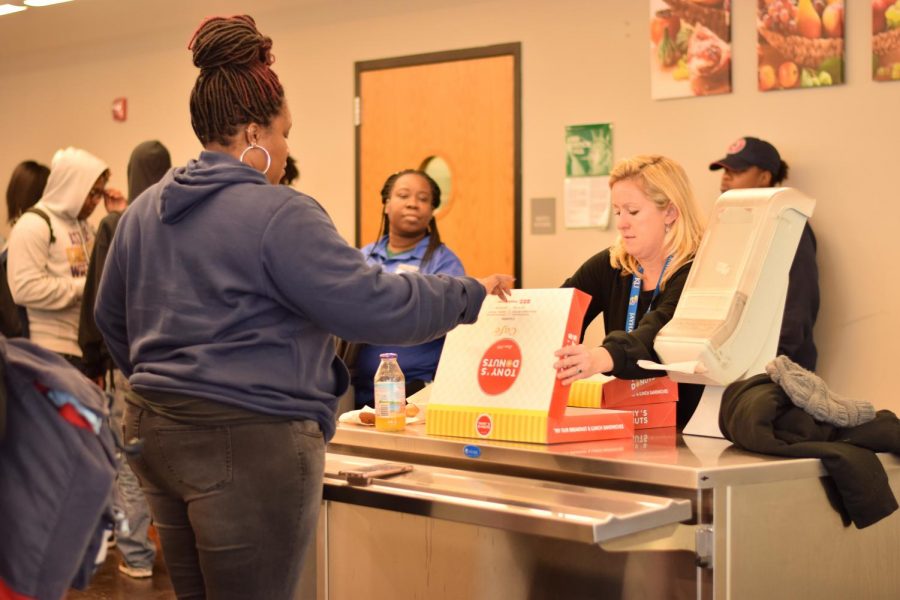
(631, 316)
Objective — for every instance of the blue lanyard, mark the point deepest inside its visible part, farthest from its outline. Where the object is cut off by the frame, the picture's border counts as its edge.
(631, 317)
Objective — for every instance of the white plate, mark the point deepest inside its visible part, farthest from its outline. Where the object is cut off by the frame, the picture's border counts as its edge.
(353, 417)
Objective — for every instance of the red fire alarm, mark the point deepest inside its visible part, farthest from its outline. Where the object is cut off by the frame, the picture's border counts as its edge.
(120, 109)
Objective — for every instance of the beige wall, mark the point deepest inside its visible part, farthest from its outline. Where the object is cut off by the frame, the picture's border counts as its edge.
(582, 61)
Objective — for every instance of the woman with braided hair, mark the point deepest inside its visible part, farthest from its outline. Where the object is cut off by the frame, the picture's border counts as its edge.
(409, 242)
(219, 301)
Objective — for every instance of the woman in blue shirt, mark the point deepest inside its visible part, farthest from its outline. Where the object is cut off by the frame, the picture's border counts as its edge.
(409, 242)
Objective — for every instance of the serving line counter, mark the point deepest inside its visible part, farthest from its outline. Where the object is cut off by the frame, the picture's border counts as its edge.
(656, 516)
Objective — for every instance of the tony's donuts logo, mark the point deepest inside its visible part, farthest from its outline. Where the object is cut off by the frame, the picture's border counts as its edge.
(499, 367)
(484, 424)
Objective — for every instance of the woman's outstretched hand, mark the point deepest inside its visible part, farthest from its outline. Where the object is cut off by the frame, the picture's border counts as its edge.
(579, 361)
(498, 285)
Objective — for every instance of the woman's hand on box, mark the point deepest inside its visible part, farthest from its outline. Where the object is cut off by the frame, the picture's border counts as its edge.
(578, 362)
(498, 285)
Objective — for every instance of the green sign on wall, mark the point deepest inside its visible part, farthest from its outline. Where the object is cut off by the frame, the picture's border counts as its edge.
(588, 150)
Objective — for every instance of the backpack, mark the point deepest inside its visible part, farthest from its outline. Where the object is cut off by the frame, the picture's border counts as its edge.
(14, 318)
(57, 468)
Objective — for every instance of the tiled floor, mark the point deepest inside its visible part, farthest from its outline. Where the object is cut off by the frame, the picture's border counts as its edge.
(109, 584)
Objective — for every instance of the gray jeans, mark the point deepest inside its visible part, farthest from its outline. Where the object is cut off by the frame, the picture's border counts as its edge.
(235, 505)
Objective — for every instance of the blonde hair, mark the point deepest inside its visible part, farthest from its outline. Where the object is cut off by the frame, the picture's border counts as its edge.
(664, 182)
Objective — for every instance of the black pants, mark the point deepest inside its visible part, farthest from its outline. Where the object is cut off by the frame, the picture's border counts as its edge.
(235, 505)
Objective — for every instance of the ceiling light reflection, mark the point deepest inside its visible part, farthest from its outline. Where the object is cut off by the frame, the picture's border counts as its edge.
(44, 2)
(8, 9)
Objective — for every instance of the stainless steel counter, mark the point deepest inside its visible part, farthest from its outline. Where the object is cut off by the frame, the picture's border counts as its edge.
(657, 515)
(654, 456)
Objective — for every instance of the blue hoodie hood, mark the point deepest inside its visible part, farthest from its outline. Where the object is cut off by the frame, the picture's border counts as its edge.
(185, 188)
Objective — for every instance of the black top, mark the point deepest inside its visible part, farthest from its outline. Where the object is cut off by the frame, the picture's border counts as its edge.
(610, 289)
(95, 356)
(802, 305)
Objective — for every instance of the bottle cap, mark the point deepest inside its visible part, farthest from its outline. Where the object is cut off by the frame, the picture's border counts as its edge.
(388, 355)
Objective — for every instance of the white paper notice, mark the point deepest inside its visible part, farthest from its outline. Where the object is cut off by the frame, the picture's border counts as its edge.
(688, 366)
(586, 202)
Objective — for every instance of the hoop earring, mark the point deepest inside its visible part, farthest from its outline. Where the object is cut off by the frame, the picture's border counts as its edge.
(253, 146)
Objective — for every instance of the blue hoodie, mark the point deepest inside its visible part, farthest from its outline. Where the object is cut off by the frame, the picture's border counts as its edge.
(221, 286)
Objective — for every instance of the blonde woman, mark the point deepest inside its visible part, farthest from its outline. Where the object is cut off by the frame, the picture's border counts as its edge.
(637, 282)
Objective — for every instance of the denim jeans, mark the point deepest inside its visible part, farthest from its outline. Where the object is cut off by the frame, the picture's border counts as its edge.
(137, 549)
(235, 505)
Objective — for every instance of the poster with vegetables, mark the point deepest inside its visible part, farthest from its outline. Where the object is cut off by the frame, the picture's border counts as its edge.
(886, 40)
(690, 48)
(800, 43)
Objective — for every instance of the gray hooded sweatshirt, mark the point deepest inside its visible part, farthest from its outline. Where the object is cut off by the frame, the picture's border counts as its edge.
(48, 278)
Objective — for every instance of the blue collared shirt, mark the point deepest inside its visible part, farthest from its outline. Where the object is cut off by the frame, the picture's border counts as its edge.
(442, 261)
(416, 362)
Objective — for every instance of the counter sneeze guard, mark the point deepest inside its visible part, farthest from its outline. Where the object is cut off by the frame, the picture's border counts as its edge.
(728, 320)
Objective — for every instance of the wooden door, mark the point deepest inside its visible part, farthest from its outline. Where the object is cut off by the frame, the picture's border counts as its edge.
(463, 107)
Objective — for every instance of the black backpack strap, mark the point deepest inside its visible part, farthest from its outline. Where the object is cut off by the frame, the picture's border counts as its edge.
(3, 400)
(13, 318)
(46, 219)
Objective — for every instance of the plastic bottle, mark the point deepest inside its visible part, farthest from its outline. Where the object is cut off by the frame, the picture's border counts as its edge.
(390, 395)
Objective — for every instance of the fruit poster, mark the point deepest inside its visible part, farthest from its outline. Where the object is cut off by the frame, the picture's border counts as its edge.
(886, 40)
(800, 43)
(690, 48)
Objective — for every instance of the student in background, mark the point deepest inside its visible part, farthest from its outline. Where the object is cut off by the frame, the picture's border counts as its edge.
(754, 163)
(49, 251)
(409, 243)
(291, 172)
(148, 163)
(26, 186)
(660, 226)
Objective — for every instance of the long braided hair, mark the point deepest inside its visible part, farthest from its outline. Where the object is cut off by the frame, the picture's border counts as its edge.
(235, 85)
(434, 242)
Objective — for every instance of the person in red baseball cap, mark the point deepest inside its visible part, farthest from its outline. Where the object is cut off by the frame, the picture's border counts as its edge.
(754, 163)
